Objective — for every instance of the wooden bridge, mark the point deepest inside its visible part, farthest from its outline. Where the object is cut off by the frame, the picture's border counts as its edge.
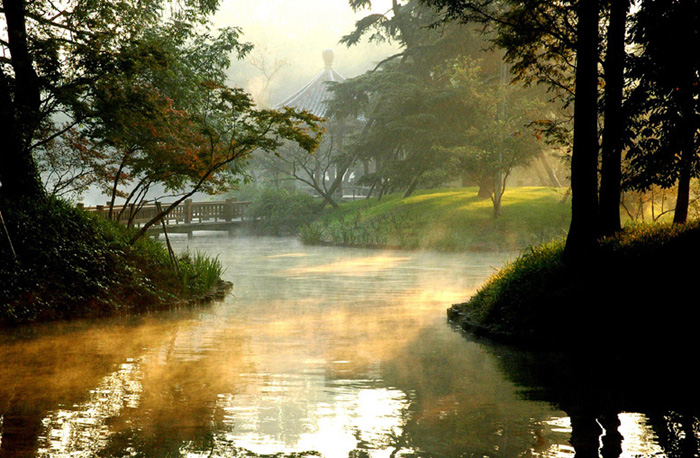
(186, 218)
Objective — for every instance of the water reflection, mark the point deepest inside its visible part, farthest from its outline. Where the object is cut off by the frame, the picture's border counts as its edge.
(318, 352)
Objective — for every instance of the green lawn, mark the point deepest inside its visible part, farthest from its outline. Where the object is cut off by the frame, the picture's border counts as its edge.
(453, 219)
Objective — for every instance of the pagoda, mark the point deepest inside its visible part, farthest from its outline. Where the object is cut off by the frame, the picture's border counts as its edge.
(314, 95)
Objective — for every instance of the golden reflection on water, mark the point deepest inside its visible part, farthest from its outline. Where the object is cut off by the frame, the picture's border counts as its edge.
(323, 350)
(355, 266)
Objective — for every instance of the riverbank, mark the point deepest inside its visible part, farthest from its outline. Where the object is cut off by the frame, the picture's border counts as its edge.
(634, 288)
(61, 263)
(452, 220)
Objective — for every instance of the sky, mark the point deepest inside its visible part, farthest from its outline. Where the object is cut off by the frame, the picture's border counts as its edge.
(291, 35)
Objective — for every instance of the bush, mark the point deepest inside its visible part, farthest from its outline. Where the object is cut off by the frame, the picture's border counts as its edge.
(312, 234)
(634, 284)
(72, 264)
(281, 211)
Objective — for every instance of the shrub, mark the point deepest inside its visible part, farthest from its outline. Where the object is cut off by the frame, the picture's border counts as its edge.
(312, 234)
(281, 211)
(72, 264)
(634, 284)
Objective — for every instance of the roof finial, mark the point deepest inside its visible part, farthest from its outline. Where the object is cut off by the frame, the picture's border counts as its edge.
(328, 56)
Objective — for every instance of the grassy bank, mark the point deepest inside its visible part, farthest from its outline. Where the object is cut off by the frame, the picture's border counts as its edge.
(635, 288)
(445, 220)
(68, 264)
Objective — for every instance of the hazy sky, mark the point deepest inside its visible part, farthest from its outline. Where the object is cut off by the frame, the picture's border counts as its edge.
(294, 33)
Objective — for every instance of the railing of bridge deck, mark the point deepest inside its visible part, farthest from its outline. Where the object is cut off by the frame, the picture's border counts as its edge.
(186, 213)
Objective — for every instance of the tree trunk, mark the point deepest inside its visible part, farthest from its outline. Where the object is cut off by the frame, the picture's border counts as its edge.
(611, 169)
(553, 180)
(583, 230)
(18, 172)
(19, 111)
(411, 187)
(680, 215)
(484, 192)
(686, 93)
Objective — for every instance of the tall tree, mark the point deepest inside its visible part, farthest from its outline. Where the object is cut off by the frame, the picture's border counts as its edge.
(614, 123)
(584, 227)
(494, 134)
(554, 43)
(407, 99)
(52, 55)
(169, 120)
(665, 101)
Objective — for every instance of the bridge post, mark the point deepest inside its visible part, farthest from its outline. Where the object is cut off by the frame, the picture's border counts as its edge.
(228, 210)
(100, 209)
(188, 211)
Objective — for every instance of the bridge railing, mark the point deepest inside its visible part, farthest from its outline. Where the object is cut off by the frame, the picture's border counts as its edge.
(187, 212)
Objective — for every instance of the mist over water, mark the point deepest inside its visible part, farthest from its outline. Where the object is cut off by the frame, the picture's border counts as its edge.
(317, 352)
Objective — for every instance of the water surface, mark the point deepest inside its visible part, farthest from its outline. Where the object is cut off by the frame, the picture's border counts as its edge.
(317, 352)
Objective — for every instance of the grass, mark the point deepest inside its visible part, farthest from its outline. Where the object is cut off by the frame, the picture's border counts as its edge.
(633, 286)
(199, 272)
(70, 264)
(445, 220)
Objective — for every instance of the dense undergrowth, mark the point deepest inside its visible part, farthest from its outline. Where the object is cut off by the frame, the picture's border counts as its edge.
(637, 287)
(68, 264)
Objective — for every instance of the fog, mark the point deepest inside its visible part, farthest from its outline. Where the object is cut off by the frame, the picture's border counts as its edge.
(289, 36)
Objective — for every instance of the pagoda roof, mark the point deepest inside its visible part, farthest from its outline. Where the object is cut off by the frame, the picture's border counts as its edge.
(314, 95)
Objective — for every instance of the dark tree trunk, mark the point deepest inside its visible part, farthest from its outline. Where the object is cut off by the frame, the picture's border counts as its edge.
(583, 230)
(585, 434)
(19, 110)
(686, 93)
(611, 167)
(680, 215)
(411, 187)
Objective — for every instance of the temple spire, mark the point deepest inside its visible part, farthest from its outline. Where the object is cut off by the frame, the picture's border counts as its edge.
(328, 56)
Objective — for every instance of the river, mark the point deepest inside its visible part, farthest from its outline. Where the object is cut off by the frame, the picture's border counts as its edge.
(317, 351)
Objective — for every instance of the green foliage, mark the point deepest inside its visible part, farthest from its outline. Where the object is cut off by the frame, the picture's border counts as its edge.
(412, 107)
(312, 234)
(70, 264)
(662, 106)
(280, 211)
(445, 220)
(199, 272)
(540, 297)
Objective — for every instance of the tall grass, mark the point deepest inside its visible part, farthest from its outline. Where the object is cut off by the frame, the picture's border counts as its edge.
(199, 272)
